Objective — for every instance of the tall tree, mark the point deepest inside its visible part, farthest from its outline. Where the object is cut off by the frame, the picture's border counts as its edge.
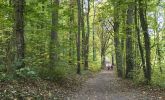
(86, 52)
(144, 25)
(129, 47)
(116, 41)
(83, 31)
(71, 24)
(19, 31)
(93, 28)
(103, 41)
(54, 33)
(138, 37)
(157, 40)
(78, 36)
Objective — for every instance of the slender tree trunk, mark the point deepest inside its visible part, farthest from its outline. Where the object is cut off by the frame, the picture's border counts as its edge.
(54, 34)
(157, 39)
(144, 26)
(94, 15)
(102, 46)
(136, 44)
(83, 32)
(71, 23)
(123, 39)
(117, 43)
(87, 39)
(159, 54)
(139, 40)
(102, 57)
(112, 60)
(9, 54)
(129, 47)
(19, 31)
(9, 47)
(78, 36)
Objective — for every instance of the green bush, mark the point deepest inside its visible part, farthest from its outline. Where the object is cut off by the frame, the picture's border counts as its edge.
(95, 66)
(138, 76)
(3, 77)
(26, 73)
(158, 79)
(56, 73)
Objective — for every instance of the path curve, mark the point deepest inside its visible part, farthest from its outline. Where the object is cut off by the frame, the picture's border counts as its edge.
(105, 86)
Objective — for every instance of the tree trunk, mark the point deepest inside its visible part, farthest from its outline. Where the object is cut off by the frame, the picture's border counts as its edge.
(94, 15)
(19, 31)
(102, 57)
(158, 53)
(87, 39)
(139, 40)
(83, 32)
(78, 36)
(71, 24)
(123, 39)
(102, 46)
(112, 60)
(129, 48)
(117, 43)
(54, 35)
(144, 26)
(9, 58)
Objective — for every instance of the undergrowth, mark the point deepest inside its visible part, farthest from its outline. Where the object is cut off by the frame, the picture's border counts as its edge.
(158, 79)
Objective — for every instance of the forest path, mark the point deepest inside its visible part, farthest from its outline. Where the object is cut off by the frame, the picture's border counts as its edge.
(106, 86)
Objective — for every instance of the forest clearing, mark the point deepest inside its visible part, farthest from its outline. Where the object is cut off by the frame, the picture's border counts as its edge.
(82, 49)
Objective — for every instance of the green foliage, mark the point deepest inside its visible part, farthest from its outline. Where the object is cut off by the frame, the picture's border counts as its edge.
(54, 74)
(58, 73)
(95, 66)
(158, 79)
(138, 76)
(5, 77)
(26, 73)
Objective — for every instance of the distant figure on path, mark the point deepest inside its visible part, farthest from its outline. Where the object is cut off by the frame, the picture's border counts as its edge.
(109, 66)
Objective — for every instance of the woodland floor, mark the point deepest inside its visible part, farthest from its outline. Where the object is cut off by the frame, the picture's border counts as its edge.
(106, 86)
(102, 86)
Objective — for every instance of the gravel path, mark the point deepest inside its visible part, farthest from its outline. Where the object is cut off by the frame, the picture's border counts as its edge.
(105, 86)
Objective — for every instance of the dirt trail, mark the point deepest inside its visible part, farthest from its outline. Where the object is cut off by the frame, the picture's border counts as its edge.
(105, 86)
